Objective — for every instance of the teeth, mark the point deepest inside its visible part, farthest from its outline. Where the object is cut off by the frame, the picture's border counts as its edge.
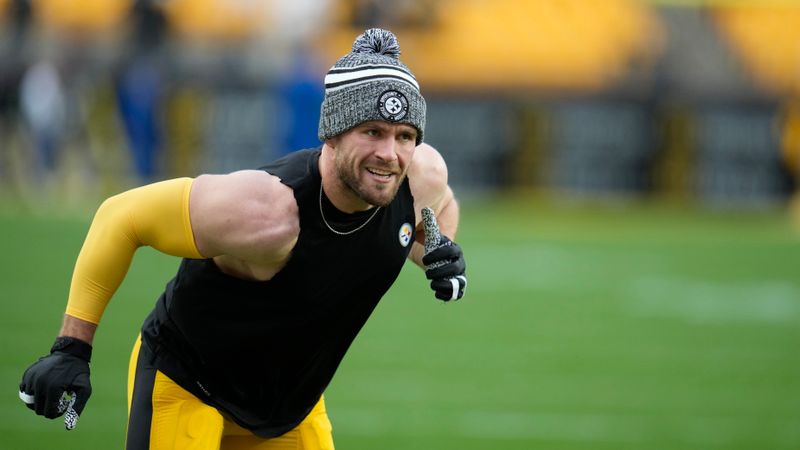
(379, 172)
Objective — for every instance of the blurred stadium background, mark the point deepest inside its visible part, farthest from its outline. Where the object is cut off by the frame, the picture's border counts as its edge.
(628, 171)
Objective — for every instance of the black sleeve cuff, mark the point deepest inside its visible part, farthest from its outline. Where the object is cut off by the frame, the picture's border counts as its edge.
(72, 346)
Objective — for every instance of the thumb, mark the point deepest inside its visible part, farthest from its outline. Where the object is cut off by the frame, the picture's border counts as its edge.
(431, 228)
(77, 400)
(65, 406)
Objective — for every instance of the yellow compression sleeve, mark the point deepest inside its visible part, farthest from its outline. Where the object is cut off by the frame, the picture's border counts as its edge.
(156, 215)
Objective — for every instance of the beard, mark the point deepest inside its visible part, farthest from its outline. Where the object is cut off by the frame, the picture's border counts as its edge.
(378, 195)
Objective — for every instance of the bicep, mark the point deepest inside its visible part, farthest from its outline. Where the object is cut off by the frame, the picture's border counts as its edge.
(428, 178)
(429, 185)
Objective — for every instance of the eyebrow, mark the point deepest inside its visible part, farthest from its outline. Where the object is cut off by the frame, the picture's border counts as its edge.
(386, 125)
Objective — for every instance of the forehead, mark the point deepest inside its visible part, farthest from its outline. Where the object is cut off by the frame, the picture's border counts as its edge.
(388, 126)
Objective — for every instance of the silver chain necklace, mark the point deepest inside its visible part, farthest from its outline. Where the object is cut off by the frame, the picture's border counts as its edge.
(343, 233)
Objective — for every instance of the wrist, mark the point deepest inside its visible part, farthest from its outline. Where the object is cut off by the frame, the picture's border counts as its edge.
(72, 346)
(78, 328)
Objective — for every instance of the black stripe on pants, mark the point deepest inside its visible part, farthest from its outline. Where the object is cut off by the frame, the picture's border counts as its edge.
(138, 436)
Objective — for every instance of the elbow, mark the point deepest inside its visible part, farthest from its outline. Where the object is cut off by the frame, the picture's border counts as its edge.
(115, 215)
(112, 213)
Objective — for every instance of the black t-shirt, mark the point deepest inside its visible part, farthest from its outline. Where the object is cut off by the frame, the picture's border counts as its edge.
(264, 352)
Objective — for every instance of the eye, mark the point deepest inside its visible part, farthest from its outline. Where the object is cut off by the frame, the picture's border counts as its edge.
(372, 132)
(406, 137)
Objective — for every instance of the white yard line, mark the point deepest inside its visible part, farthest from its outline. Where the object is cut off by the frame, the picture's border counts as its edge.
(708, 302)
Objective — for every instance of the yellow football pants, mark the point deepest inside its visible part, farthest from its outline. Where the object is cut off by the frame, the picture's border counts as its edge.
(164, 416)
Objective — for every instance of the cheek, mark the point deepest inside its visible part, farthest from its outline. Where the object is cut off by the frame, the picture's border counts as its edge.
(405, 156)
(345, 159)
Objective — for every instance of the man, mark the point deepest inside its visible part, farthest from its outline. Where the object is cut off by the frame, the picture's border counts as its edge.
(282, 267)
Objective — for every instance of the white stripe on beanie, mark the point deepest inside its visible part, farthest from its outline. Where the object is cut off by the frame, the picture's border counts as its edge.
(338, 78)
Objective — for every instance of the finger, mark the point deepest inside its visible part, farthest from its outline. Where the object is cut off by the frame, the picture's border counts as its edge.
(27, 398)
(450, 288)
(446, 289)
(445, 297)
(449, 250)
(431, 228)
(50, 404)
(66, 401)
(39, 401)
(454, 268)
(82, 390)
(70, 419)
(71, 415)
(26, 390)
(463, 280)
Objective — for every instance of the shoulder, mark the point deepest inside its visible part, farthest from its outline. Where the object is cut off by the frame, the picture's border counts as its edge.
(427, 176)
(244, 214)
(294, 167)
(243, 185)
(246, 192)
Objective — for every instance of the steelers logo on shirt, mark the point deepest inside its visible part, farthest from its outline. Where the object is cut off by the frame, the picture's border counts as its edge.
(393, 105)
(405, 233)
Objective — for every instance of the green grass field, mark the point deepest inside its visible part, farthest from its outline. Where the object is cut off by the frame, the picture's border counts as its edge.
(583, 328)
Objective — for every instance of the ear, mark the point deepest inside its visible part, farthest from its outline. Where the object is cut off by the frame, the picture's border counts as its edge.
(331, 142)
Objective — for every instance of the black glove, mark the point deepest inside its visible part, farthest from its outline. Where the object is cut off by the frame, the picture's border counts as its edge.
(445, 267)
(58, 383)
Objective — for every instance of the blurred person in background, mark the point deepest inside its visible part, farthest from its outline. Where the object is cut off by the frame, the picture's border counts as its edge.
(140, 86)
(43, 106)
(301, 94)
(282, 267)
(14, 29)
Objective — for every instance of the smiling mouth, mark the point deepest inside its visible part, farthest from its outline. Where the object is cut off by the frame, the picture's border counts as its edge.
(380, 173)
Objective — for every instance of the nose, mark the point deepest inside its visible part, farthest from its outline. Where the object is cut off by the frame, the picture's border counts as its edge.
(386, 149)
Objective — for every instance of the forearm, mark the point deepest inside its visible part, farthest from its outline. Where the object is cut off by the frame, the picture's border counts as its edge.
(448, 217)
(155, 215)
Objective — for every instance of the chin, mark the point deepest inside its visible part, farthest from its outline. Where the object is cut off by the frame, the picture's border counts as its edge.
(378, 194)
(381, 198)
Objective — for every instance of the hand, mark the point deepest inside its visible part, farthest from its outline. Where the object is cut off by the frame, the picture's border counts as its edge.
(58, 383)
(445, 267)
